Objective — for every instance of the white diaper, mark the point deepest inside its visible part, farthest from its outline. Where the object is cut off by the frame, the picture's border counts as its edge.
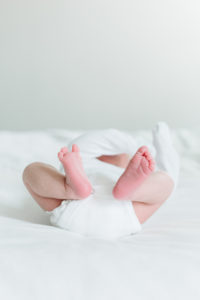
(99, 216)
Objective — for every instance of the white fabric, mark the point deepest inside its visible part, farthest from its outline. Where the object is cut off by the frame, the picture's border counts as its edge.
(39, 262)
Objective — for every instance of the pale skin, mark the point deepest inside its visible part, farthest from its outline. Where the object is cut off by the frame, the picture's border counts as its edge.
(147, 189)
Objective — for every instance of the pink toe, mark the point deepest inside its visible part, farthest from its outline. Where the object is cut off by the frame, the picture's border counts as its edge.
(75, 148)
(60, 155)
(148, 156)
(145, 162)
(152, 165)
(64, 150)
(143, 149)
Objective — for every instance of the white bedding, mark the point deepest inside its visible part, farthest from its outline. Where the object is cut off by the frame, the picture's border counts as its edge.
(38, 261)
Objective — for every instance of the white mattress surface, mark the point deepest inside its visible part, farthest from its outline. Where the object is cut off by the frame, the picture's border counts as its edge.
(39, 261)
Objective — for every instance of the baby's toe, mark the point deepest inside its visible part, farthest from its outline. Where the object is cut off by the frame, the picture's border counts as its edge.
(75, 148)
(64, 150)
(60, 155)
(143, 150)
(152, 165)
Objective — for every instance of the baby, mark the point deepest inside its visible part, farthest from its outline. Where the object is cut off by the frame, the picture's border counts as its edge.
(100, 176)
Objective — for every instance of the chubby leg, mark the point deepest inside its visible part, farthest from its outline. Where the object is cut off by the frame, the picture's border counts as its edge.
(159, 185)
(120, 160)
(138, 183)
(148, 197)
(49, 187)
(45, 184)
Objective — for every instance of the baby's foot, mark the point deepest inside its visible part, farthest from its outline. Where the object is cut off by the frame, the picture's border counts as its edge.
(75, 175)
(139, 168)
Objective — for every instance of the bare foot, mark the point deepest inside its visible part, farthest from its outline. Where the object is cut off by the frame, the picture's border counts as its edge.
(75, 175)
(139, 168)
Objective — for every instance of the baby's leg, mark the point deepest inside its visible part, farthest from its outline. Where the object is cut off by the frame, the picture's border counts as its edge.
(148, 197)
(119, 160)
(148, 193)
(159, 185)
(45, 184)
(145, 189)
(49, 187)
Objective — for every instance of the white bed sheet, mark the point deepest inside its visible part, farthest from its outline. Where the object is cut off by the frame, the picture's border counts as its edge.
(38, 261)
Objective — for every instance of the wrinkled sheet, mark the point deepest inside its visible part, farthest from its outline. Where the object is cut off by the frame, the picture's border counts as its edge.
(39, 261)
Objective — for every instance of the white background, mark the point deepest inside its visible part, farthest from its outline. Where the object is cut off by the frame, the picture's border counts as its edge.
(96, 64)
